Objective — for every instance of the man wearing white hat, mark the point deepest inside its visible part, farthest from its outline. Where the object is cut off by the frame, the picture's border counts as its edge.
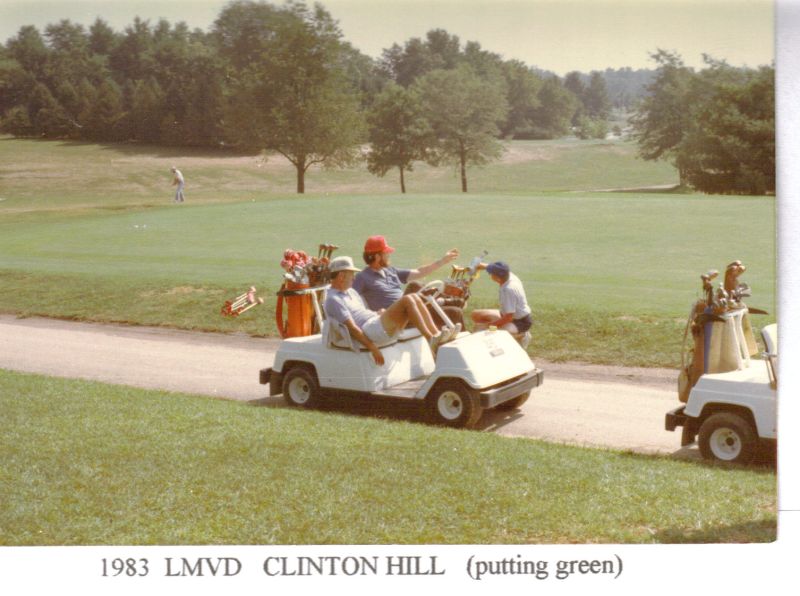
(345, 305)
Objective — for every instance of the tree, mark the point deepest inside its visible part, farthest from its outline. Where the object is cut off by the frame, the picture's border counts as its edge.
(522, 93)
(730, 147)
(663, 117)
(294, 98)
(596, 99)
(102, 38)
(399, 132)
(104, 114)
(147, 111)
(465, 112)
(574, 83)
(553, 117)
(406, 64)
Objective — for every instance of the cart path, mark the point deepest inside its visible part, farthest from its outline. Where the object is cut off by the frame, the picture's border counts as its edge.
(600, 406)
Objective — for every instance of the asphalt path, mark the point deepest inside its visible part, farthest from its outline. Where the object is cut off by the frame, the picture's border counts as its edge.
(597, 406)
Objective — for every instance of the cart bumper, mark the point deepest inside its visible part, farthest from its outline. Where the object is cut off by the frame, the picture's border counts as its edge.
(675, 418)
(274, 378)
(494, 397)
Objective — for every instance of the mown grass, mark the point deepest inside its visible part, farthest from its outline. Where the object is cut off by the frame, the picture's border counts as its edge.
(87, 463)
(39, 174)
(86, 232)
(610, 277)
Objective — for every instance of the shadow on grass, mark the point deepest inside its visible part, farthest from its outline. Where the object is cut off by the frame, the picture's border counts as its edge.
(755, 531)
(356, 405)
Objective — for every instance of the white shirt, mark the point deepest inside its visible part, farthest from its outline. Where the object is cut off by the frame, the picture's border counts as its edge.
(178, 176)
(513, 299)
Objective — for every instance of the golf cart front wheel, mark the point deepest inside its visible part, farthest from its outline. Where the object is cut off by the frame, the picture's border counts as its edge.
(513, 404)
(300, 387)
(452, 403)
(728, 437)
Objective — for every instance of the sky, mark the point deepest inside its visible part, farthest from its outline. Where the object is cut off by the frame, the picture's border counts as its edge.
(556, 35)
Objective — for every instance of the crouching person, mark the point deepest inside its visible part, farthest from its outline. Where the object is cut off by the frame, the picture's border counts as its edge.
(514, 315)
(372, 329)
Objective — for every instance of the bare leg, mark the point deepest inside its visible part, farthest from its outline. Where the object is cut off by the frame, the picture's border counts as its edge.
(425, 313)
(401, 312)
(484, 317)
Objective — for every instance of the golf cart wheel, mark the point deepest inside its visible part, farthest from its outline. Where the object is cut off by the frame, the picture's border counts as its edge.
(452, 403)
(728, 437)
(300, 387)
(513, 404)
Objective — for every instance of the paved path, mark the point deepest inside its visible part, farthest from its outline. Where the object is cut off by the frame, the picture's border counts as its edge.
(614, 407)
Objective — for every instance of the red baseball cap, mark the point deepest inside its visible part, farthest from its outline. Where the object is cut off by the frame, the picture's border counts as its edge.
(377, 244)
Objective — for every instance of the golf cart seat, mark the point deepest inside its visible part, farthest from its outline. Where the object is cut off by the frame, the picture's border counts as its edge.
(335, 335)
(770, 336)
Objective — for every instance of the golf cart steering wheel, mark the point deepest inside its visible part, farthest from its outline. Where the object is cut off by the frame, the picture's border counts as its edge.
(437, 285)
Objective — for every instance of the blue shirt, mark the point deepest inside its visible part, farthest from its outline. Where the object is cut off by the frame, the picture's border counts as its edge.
(380, 289)
(343, 306)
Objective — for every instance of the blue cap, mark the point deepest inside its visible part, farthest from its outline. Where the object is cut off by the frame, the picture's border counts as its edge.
(498, 268)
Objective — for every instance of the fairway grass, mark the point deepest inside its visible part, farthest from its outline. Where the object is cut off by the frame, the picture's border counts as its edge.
(42, 174)
(88, 463)
(87, 233)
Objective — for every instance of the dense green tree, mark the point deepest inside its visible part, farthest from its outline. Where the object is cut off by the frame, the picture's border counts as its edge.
(16, 84)
(294, 99)
(102, 38)
(465, 112)
(596, 102)
(730, 147)
(132, 58)
(30, 52)
(146, 111)
(439, 50)
(553, 117)
(574, 83)
(399, 133)
(522, 94)
(663, 117)
(105, 114)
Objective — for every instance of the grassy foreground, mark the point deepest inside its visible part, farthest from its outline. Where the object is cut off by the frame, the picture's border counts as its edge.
(87, 463)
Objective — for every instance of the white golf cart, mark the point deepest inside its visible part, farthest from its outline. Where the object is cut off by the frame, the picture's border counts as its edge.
(732, 413)
(471, 373)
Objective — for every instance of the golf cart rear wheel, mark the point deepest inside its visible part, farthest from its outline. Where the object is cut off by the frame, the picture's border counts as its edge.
(728, 437)
(452, 403)
(300, 387)
(513, 404)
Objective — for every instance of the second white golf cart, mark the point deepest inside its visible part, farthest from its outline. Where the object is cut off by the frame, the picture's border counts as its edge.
(472, 373)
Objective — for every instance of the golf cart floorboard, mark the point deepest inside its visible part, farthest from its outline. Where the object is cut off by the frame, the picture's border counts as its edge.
(407, 389)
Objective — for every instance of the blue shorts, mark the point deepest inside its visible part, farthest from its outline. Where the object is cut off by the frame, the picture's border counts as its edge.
(523, 324)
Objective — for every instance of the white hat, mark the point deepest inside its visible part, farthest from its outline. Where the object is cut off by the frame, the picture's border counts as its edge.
(342, 264)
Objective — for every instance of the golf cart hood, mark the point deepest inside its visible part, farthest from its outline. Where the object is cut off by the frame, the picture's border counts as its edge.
(483, 359)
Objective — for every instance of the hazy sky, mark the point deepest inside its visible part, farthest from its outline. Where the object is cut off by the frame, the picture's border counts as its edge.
(557, 35)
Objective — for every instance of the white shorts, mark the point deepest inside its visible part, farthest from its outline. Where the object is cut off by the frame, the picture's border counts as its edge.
(374, 330)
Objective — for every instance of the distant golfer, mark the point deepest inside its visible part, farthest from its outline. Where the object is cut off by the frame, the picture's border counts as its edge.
(514, 315)
(177, 180)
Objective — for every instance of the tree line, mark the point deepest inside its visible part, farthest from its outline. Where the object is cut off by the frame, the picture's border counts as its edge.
(716, 125)
(281, 78)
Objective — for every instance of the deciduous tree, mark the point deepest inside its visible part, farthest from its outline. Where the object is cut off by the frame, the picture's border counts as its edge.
(465, 112)
(399, 132)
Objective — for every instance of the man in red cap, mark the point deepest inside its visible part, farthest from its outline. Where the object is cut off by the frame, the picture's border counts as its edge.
(381, 284)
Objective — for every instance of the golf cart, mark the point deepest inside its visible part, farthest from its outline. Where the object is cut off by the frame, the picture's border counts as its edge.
(471, 373)
(730, 397)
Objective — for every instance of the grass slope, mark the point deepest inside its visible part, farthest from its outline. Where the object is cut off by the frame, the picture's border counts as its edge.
(610, 276)
(87, 463)
(37, 174)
